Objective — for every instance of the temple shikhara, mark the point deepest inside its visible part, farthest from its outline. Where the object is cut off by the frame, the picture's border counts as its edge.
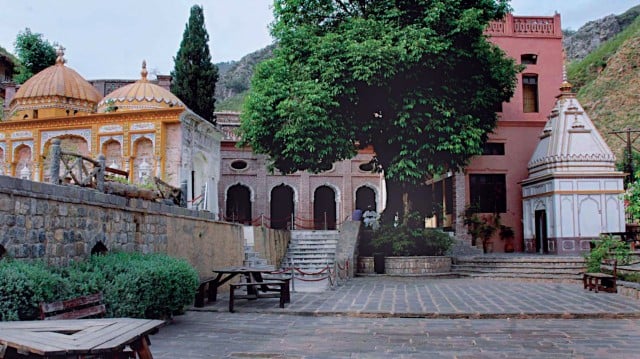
(545, 170)
(140, 128)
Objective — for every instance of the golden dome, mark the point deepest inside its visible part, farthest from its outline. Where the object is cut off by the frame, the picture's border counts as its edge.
(53, 89)
(140, 95)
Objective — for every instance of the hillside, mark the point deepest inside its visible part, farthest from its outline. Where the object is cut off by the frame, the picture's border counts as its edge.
(612, 99)
(235, 79)
(578, 44)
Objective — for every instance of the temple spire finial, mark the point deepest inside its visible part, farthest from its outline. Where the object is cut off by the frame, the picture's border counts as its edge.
(60, 52)
(565, 87)
(144, 72)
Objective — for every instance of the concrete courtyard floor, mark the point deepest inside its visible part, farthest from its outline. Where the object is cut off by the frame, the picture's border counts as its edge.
(400, 317)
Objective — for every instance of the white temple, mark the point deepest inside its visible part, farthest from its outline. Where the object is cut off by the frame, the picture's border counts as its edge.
(573, 192)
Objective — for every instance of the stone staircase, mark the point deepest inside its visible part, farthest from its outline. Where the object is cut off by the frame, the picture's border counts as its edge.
(311, 251)
(520, 266)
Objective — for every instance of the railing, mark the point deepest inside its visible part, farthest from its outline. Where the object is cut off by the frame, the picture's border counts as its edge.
(336, 275)
(293, 222)
(537, 26)
(78, 169)
(84, 171)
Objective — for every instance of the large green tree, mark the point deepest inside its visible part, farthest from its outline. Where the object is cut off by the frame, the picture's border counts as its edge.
(415, 79)
(194, 75)
(35, 54)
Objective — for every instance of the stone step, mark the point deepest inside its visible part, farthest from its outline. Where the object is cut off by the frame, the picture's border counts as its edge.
(515, 271)
(549, 266)
(531, 276)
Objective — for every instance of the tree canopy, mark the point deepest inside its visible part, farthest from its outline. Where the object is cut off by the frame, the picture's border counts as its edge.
(35, 54)
(194, 75)
(416, 79)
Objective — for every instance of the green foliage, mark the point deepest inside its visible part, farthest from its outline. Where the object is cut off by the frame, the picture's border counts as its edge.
(632, 199)
(136, 285)
(194, 75)
(607, 247)
(133, 284)
(582, 73)
(35, 54)
(233, 103)
(24, 285)
(411, 239)
(417, 80)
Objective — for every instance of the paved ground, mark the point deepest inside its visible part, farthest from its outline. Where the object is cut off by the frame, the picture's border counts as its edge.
(391, 317)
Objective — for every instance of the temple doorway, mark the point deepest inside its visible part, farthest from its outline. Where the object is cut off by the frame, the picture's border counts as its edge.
(282, 207)
(238, 204)
(365, 198)
(542, 242)
(324, 208)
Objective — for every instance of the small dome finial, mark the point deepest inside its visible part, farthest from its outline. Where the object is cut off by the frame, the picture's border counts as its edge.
(60, 52)
(144, 72)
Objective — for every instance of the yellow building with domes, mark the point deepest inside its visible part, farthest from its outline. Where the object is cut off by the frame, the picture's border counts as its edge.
(141, 128)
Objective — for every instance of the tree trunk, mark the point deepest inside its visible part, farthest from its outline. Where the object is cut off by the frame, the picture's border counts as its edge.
(401, 201)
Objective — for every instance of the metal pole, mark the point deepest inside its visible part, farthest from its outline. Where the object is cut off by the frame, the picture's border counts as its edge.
(325, 220)
(632, 176)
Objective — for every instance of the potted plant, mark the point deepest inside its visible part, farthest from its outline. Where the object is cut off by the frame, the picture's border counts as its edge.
(506, 234)
(408, 247)
(481, 227)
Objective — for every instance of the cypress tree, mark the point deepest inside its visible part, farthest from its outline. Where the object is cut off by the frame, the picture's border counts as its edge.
(194, 75)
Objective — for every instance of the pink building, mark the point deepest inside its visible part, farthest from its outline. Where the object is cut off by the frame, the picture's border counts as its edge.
(492, 181)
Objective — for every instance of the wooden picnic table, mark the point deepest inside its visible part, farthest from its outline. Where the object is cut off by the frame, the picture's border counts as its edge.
(223, 275)
(71, 338)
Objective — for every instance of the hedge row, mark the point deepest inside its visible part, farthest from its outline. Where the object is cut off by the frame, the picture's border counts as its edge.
(134, 285)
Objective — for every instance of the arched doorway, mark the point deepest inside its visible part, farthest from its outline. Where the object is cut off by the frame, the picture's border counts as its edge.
(365, 198)
(112, 151)
(238, 204)
(282, 206)
(143, 163)
(324, 208)
(23, 161)
(70, 144)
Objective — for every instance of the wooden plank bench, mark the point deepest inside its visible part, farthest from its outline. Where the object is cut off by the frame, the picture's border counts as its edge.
(257, 290)
(602, 281)
(207, 289)
(76, 308)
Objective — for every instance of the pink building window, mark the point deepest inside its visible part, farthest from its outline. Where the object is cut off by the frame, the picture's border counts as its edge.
(530, 93)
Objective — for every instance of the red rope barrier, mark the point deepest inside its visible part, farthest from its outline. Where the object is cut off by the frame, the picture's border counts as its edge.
(305, 273)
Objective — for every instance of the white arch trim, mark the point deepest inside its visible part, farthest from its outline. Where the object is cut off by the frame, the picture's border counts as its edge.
(252, 195)
(373, 187)
(293, 188)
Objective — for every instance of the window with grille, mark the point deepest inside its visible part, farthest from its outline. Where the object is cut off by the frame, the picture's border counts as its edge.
(530, 93)
(488, 192)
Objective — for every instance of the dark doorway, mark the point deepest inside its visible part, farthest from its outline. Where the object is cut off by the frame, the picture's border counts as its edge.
(281, 206)
(365, 198)
(324, 208)
(99, 249)
(542, 242)
(238, 204)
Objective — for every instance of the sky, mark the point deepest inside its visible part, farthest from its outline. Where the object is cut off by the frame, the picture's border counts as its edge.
(109, 39)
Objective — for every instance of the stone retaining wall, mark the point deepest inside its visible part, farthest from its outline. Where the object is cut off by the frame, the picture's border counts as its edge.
(58, 223)
(417, 265)
(365, 265)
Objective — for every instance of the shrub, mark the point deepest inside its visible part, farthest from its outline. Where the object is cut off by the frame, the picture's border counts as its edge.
(411, 240)
(23, 285)
(133, 284)
(607, 247)
(136, 285)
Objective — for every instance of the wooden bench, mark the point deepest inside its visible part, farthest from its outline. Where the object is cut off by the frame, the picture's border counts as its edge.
(602, 281)
(208, 289)
(286, 279)
(257, 290)
(76, 308)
